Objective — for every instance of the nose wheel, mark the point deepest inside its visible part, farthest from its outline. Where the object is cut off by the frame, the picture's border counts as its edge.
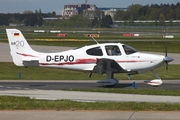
(155, 82)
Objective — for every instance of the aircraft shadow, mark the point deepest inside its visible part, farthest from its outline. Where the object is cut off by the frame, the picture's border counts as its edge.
(125, 85)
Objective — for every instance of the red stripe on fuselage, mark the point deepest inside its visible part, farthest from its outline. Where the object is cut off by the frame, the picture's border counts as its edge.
(91, 61)
(26, 55)
(78, 61)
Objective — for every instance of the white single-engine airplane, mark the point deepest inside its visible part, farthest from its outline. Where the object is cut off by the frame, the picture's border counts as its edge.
(106, 58)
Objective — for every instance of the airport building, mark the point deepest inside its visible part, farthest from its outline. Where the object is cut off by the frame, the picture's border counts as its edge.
(74, 9)
(88, 10)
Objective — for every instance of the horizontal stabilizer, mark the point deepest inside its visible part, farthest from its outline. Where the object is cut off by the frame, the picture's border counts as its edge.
(31, 63)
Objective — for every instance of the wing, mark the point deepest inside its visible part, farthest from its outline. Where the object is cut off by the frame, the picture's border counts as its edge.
(105, 65)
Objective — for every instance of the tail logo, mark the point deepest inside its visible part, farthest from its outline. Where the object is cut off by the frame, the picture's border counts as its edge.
(18, 44)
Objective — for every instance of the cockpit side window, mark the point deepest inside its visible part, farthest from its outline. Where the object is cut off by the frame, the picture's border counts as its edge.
(129, 50)
(113, 50)
(95, 51)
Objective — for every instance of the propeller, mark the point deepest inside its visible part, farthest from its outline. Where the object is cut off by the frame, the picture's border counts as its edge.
(167, 59)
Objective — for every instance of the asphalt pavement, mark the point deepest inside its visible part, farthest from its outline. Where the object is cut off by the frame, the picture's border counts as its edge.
(89, 115)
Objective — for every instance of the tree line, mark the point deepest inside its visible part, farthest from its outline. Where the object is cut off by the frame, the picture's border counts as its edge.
(155, 12)
(27, 18)
(79, 21)
(22, 19)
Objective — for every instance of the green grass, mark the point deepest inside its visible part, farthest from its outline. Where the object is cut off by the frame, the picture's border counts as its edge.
(10, 72)
(24, 103)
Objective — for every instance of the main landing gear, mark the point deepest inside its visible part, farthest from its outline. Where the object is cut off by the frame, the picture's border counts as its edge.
(109, 81)
(106, 66)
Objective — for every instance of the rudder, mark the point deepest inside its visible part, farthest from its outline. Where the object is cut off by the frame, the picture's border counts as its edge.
(19, 48)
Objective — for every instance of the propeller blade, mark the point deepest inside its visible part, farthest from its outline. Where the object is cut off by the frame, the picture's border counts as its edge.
(166, 51)
(166, 62)
(167, 59)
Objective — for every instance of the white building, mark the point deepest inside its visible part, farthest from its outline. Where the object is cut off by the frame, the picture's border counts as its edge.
(68, 12)
(74, 9)
(110, 12)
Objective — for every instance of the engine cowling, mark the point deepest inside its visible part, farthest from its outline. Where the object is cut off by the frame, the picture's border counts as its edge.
(155, 82)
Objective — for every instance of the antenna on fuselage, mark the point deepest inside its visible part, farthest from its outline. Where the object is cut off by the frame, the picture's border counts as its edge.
(93, 38)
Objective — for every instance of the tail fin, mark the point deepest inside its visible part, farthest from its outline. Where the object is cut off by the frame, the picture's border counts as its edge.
(19, 48)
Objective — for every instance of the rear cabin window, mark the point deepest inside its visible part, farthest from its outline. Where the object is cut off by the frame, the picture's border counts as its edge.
(95, 51)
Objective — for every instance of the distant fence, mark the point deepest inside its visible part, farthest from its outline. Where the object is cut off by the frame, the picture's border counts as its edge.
(130, 35)
(51, 31)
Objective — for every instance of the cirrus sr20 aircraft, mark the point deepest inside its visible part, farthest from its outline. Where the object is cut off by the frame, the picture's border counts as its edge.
(108, 58)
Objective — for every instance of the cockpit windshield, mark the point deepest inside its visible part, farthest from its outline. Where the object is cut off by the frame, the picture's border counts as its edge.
(129, 50)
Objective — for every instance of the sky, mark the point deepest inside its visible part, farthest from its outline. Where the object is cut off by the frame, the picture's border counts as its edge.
(19, 6)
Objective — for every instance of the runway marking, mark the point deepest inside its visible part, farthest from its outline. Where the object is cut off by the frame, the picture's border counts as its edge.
(27, 88)
(131, 115)
(9, 87)
(16, 88)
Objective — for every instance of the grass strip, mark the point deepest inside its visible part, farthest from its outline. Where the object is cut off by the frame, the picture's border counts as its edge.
(25, 103)
(10, 72)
